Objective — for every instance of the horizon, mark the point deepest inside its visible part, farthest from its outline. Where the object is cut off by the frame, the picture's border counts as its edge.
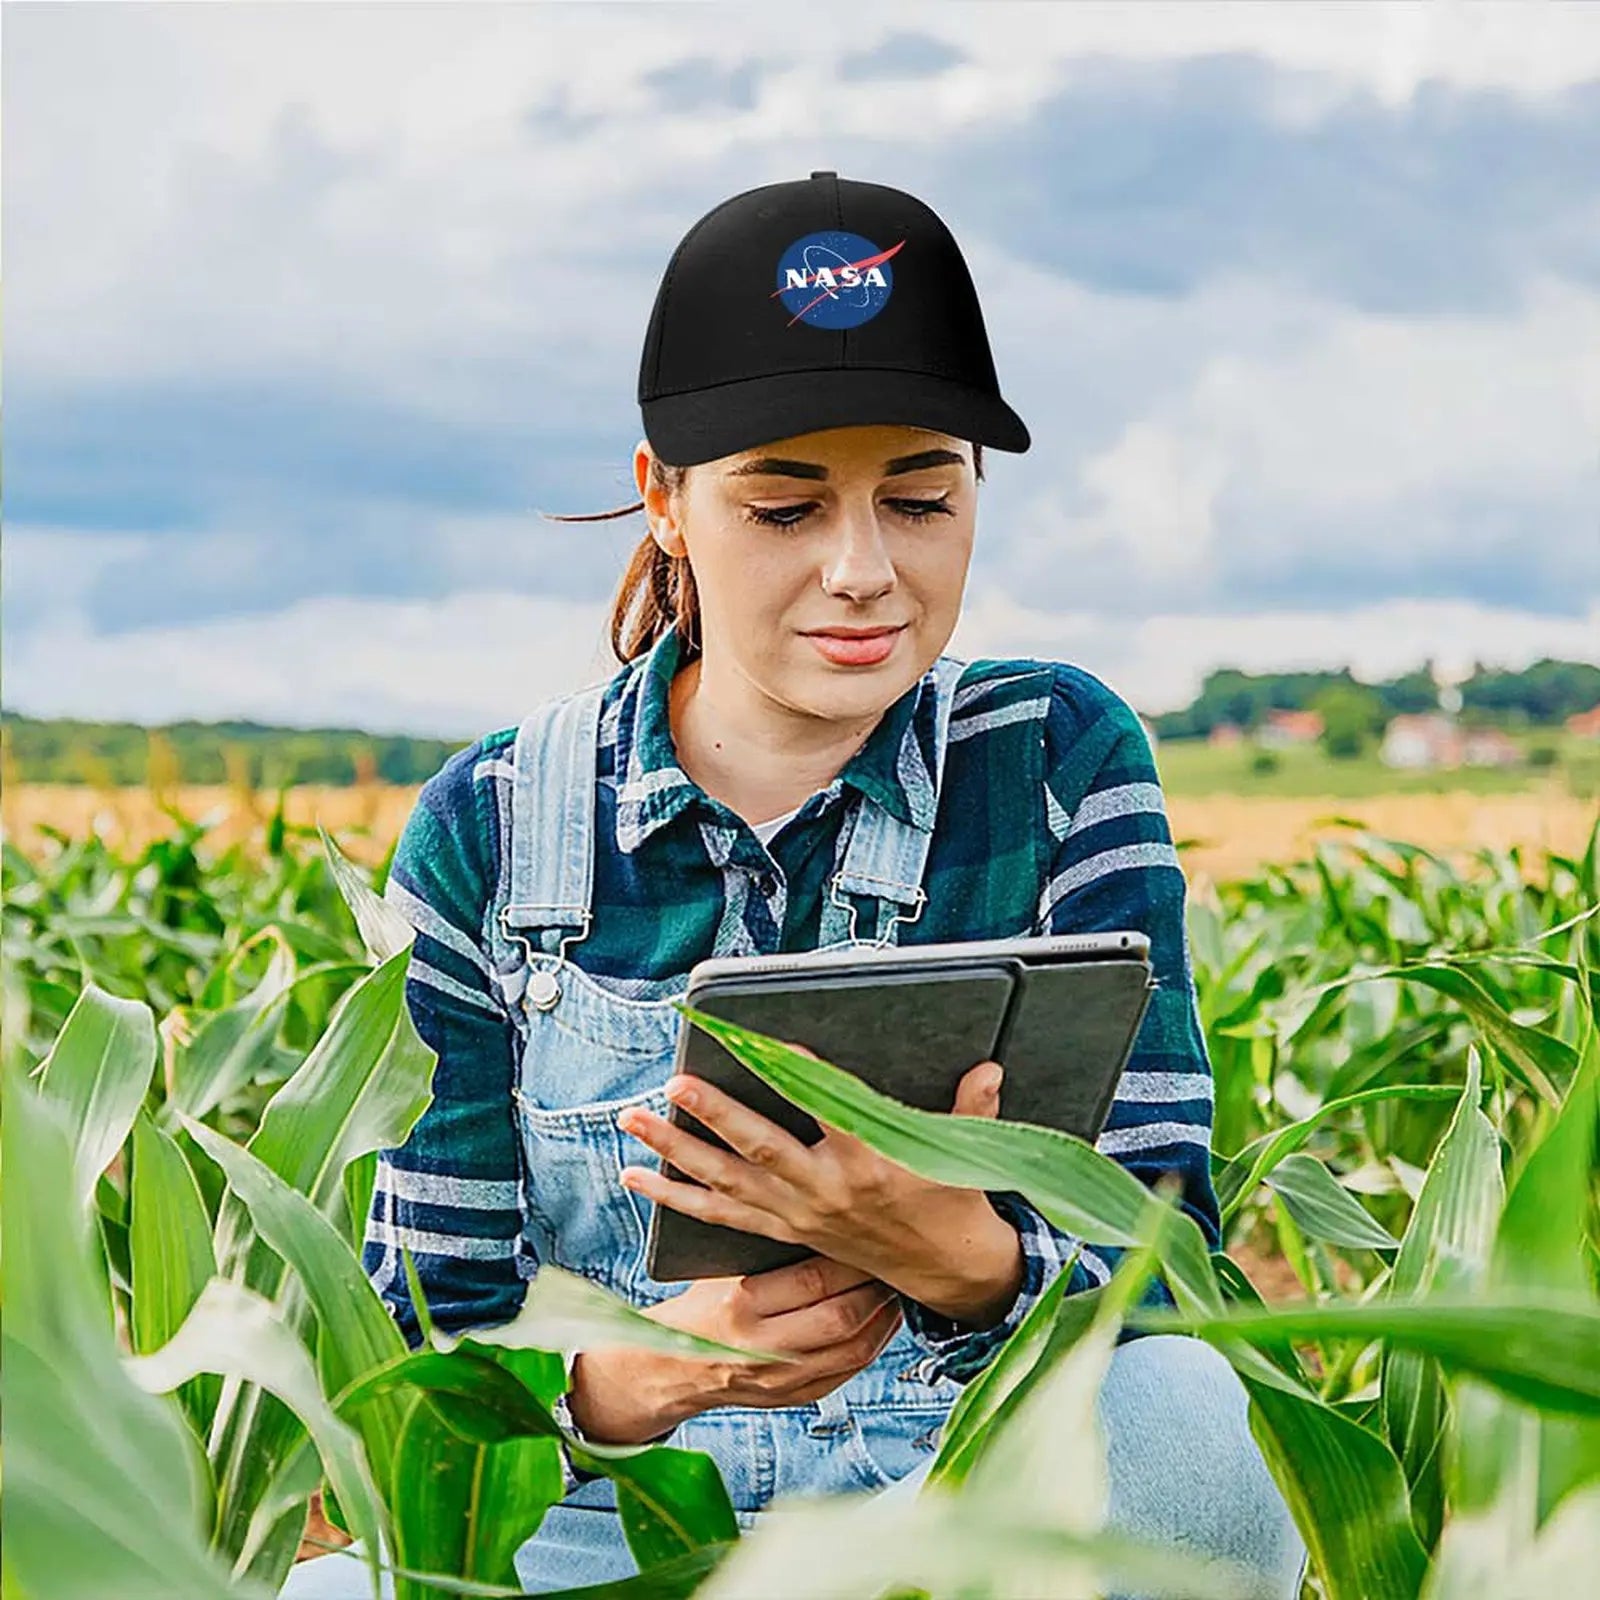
(14, 713)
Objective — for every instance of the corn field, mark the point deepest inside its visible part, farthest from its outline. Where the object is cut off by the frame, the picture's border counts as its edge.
(206, 1047)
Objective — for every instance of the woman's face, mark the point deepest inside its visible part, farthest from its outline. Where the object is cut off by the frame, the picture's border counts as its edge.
(853, 528)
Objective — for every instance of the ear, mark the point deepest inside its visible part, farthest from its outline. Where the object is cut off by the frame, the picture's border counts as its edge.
(661, 508)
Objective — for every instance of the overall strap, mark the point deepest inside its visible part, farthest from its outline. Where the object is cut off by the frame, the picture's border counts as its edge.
(552, 819)
(886, 858)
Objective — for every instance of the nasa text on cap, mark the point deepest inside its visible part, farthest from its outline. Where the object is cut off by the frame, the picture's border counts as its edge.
(815, 304)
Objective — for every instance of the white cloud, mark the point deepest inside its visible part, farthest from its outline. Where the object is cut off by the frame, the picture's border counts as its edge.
(352, 198)
(1313, 431)
(1159, 662)
(477, 661)
(254, 189)
(453, 668)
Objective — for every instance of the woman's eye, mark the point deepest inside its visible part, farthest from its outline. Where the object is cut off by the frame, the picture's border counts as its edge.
(780, 516)
(789, 516)
(921, 510)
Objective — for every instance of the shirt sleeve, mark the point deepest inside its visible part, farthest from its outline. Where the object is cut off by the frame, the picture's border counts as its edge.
(451, 1194)
(1113, 865)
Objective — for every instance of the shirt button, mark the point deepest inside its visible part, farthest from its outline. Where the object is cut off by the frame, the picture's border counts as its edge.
(766, 883)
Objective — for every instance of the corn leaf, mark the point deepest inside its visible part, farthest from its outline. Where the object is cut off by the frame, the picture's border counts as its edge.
(234, 1332)
(498, 1432)
(1322, 1209)
(384, 930)
(98, 1072)
(1347, 1494)
(105, 1487)
(1449, 1237)
(983, 1403)
(1237, 1180)
(563, 1310)
(232, 1045)
(1541, 1352)
(357, 1332)
(169, 1243)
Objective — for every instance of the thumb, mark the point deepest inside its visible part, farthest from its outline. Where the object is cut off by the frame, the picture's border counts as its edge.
(978, 1093)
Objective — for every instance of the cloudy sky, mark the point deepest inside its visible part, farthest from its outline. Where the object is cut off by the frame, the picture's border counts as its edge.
(312, 308)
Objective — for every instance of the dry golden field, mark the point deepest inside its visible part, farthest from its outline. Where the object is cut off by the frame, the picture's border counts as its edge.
(1229, 836)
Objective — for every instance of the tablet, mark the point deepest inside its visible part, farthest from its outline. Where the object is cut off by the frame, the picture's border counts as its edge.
(1059, 1011)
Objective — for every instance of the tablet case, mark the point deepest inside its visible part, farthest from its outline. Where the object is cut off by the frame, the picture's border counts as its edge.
(914, 1038)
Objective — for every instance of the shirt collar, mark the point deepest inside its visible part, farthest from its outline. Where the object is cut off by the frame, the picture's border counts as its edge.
(893, 768)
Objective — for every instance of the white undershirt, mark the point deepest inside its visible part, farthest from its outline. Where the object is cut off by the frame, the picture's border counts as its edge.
(765, 830)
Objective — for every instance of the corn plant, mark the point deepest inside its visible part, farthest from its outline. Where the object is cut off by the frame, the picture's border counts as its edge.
(1407, 1086)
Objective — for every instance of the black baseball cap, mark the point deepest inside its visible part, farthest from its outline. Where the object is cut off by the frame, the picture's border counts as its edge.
(817, 304)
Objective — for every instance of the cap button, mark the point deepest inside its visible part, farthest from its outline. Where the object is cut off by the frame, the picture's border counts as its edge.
(827, 173)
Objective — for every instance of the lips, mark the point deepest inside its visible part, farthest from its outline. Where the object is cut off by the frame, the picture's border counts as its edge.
(854, 649)
(854, 633)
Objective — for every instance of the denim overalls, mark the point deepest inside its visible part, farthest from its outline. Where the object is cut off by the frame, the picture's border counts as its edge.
(588, 1051)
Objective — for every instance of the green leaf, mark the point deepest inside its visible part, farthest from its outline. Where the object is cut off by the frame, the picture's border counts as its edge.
(565, 1311)
(1540, 1061)
(357, 1332)
(98, 1072)
(169, 1241)
(1237, 1180)
(361, 1088)
(670, 1500)
(1086, 1193)
(1323, 1209)
(874, 1547)
(1083, 1192)
(232, 1045)
(234, 1332)
(384, 930)
(989, 1396)
(1545, 1232)
(105, 1492)
(1045, 1463)
(1538, 1352)
(1449, 1237)
(463, 1508)
(1346, 1492)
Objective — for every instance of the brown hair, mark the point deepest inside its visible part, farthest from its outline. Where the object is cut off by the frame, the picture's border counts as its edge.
(657, 591)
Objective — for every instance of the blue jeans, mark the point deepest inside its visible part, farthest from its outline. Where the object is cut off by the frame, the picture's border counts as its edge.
(1183, 1470)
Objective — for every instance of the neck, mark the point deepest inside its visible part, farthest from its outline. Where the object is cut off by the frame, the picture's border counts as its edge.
(758, 757)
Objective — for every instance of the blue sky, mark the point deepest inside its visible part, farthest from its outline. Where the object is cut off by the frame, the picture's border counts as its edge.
(311, 308)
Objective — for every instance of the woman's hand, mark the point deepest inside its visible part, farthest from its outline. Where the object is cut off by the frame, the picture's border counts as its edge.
(942, 1245)
(834, 1319)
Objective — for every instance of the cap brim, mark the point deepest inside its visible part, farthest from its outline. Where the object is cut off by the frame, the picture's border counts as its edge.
(706, 424)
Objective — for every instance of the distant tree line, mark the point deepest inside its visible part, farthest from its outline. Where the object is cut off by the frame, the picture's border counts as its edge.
(1544, 694)
(250, 753)
(265, 757)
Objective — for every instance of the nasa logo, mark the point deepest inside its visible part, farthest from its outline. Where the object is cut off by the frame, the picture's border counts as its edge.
(834, 279)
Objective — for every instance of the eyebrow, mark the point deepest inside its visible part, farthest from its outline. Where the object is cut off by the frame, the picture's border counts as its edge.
(779, 467)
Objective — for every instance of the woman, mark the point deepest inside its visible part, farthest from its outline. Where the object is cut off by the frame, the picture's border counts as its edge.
(787, 761)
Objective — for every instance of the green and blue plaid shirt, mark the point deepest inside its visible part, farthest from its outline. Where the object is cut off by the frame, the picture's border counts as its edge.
(1049, 802)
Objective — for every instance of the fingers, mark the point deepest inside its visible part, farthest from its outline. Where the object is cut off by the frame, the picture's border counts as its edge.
(801, 1283)
(820, 1371)
(709, 1205)
(722, 1171)
(761, 1142)
(978, 1093)
(829, 1324)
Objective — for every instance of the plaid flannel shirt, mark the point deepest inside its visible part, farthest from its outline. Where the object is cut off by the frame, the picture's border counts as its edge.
(1091, 832)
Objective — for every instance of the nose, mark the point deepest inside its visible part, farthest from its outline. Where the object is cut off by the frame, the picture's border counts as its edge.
(858, 563)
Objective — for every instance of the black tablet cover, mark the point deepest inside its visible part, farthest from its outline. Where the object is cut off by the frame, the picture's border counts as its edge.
(1062, 1031)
